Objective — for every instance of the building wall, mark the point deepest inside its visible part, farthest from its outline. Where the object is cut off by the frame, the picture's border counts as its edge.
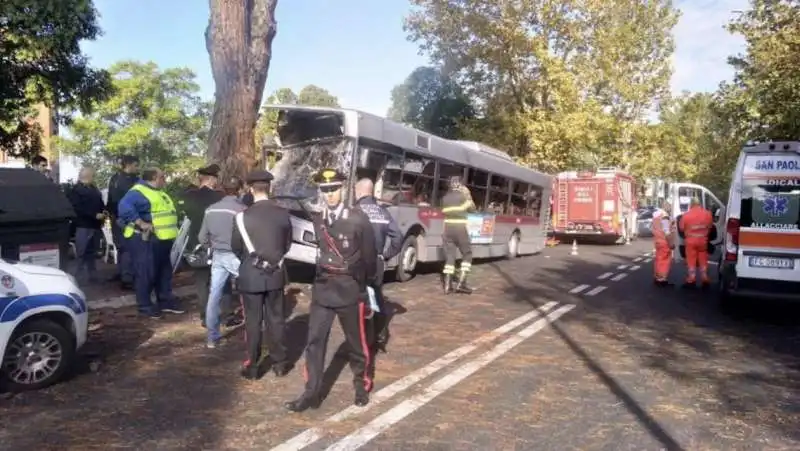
(47, 121)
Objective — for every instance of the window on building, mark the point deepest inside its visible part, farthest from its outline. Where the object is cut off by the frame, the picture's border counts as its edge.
(498, 195)
(417, 183)
(519, 198)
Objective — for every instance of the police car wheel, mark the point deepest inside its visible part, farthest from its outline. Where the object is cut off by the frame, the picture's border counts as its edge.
(37, 355)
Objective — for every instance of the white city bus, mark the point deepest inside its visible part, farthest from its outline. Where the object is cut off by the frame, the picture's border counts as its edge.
(410, 169)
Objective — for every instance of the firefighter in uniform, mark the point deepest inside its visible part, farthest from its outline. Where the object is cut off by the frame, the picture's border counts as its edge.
(345, 267)
(389, 242)
(696, 226)
(456, 203)
(261, 238)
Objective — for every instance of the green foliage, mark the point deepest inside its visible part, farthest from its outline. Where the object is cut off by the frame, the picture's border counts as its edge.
(560, 83)
(155, 114)
(431, 101)
(41, 62)
(310, 95)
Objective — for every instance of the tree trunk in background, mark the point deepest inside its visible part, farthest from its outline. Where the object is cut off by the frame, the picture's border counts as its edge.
(239, 43)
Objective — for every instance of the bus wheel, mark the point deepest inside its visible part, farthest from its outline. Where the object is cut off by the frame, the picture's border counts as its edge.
(513, 245)
(407, 261)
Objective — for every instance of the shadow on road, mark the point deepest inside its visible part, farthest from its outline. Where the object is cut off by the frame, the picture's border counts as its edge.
(745, 361)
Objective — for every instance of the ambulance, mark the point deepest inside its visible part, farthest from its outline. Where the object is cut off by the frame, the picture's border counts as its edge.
(761, 252)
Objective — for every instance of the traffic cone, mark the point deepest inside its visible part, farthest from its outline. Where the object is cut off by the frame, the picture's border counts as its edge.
(574, 248)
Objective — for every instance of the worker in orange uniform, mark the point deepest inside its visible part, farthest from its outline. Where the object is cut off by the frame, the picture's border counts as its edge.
(663, 240)
(696, 225)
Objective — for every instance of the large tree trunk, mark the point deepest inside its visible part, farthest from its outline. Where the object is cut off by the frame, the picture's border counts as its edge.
(239, 43)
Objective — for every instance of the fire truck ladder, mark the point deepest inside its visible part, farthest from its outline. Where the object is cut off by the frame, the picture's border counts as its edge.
(563, 204)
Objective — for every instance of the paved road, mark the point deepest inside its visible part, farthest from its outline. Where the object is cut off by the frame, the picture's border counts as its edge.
(552, 352)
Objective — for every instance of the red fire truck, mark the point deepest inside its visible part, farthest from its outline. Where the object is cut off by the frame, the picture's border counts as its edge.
(597, 204)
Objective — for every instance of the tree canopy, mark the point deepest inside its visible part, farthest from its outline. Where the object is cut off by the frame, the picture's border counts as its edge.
(430, 100)
(570, 84)
(41, 62)
(155, 114)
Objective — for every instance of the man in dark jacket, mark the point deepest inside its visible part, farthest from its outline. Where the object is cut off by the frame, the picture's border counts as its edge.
(345, 267)
(118, 186)
(194, 202)
(87, 201)
(388, 242)
(261, 238)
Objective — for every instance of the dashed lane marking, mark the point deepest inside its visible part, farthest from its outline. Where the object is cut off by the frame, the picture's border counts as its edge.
(365, 434)
(596, 290)
(648, 260)
(605, 275)
(621, 267)
(578, 289)
(312, 435)
(619, 276)
(634, 268)
(637, 259)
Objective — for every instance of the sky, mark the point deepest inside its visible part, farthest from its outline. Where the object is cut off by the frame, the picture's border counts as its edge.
(356, 49)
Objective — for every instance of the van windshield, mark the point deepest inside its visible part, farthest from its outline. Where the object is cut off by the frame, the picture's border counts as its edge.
(771, 203)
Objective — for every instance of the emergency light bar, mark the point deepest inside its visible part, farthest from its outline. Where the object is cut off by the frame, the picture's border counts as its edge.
(779, 146)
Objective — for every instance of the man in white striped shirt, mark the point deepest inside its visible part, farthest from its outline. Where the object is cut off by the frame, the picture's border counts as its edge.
(215, 235)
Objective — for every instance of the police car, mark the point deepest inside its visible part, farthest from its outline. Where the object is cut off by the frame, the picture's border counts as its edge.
(43, 322)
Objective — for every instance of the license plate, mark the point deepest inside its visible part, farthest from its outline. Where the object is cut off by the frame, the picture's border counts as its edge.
(772, 262)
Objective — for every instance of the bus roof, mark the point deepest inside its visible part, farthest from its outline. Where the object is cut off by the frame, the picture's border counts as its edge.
(468, 153)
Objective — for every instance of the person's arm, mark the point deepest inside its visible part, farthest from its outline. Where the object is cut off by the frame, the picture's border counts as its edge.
(203, 236)
(237, 244)
(79, 205)
(287, 235)
(395, 238)
(369, 251)
(131, 208)
(466, 204)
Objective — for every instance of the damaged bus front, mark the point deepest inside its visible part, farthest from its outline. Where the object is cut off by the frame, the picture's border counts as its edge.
(308, 139)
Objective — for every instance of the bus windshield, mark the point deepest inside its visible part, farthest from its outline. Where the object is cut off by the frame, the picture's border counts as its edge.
(309, 140)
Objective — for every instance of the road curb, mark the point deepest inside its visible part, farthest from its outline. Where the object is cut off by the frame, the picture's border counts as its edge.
(128, 300)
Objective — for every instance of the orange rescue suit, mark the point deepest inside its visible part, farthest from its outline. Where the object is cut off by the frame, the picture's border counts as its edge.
(696, 225)
(662, 238)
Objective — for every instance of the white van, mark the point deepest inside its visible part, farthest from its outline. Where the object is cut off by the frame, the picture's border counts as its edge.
(680, 197)
(761, 255)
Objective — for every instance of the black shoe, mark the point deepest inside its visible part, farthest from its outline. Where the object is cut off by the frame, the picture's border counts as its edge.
(281, 369)
(462, 286)
(303, 403)
(233, 321)
(151, 314)
(250, 372)
(362, 398)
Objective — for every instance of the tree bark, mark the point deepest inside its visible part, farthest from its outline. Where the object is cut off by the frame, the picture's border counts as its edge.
(239, 43)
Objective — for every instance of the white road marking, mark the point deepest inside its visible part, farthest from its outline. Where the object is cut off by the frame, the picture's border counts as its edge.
(605, 275)
(365, 434)
(634, 268)
(619, 276)
(648, 260)
(312, 435)
(578, 289)
(595, 290)
(621, 267)
(637, 259)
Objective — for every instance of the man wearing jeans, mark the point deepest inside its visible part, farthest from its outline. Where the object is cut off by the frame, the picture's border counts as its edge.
(215, 235)
(89, 216)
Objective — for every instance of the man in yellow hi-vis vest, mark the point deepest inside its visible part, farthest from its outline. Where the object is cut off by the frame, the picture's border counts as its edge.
(150, 224)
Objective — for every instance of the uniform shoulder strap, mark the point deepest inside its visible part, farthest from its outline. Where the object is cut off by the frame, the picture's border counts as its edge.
(243, 233)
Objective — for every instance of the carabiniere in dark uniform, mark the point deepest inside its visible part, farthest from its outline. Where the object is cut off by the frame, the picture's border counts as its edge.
(346, 265)
(262, 277)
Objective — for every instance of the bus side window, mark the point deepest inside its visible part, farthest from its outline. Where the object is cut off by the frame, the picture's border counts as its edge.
(519, 201)
(417, 181)
(534, 207)
(499, 195)
(477, 182)
(445, 172)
